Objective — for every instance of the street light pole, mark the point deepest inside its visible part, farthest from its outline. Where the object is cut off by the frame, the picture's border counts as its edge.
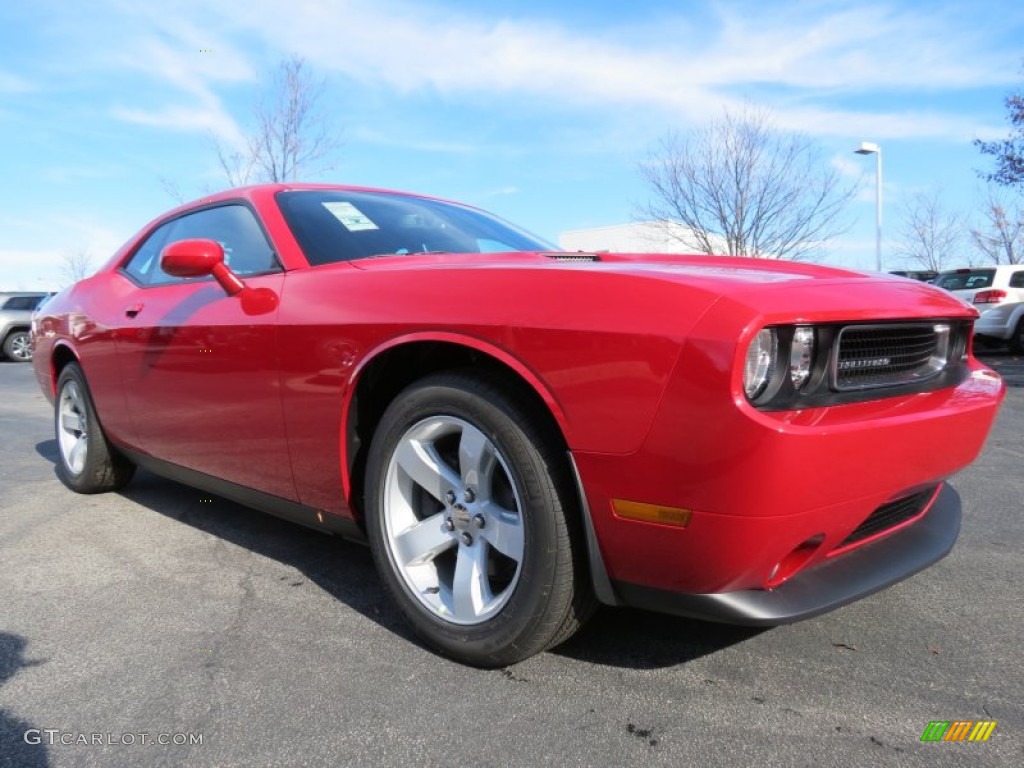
(870, 148)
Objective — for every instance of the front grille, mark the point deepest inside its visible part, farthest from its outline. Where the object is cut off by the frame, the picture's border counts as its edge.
(869, 356)
(890, 515)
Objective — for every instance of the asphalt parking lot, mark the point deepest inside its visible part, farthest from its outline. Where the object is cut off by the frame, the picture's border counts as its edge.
(161, 613)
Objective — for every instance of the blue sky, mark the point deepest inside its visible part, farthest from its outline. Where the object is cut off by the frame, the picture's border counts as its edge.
(538, 111)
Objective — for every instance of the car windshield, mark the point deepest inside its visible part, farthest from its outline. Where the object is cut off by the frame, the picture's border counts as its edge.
(965, 279)
(338, 225)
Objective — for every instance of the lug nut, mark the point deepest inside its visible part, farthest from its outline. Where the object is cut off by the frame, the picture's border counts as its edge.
(478, 520)
(449, 524)
(449, 497)
(467, 539)
(469, 495)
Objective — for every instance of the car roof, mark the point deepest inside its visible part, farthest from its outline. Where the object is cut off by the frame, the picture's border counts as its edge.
(254, 192)
(996, 267)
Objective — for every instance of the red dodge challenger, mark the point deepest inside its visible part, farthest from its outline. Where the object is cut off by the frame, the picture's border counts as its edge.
(521, 433)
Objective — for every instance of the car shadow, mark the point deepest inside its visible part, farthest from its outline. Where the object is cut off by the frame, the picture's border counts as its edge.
(341, 568)
(618, 637)
(23, 743)
(635, 639)
(48, 450)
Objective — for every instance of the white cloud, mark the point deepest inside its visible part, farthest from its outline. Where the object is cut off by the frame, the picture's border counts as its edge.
(191, 58)
(68, 174)
(874, 125)
(501, 192)
(849, 167)
(368, 135)
(860, 172)
(862, 48)
(24, 265)
(197, 119)
(800, 47)
(10, 83)
(30, 269)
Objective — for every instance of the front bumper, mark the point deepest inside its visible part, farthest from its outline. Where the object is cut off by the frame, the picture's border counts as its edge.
(829, 585)
(996, 323)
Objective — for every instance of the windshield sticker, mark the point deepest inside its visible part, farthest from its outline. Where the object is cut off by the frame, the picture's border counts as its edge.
(351, 218)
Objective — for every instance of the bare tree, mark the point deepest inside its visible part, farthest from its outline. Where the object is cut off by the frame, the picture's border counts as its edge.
(76, 265)
(172, 189)
(740, 184)
(1001, 238)
(932, 237)
(291, 137)
(1008, 152)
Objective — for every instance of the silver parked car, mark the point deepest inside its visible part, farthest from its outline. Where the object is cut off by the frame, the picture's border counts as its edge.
(16, 310)
(997, 292)
(1004, 323)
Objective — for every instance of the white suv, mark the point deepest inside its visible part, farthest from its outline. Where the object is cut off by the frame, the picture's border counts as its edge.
(998, 293)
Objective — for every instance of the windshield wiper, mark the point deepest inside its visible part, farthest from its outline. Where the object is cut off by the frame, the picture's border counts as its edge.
(404, 252)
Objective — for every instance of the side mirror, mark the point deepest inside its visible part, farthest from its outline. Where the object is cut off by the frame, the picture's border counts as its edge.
(197, 258)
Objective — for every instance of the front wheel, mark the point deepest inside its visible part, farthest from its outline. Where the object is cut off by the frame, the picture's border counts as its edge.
(470, 518)
(86, 462)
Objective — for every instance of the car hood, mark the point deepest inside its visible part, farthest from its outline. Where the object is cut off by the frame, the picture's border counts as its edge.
(717, 274)
(702, 268)
(772, 290)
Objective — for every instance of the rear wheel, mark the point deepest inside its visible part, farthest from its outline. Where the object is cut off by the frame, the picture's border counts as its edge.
(1017, 339)
(18, 346)
(469, 516)
(86, 462)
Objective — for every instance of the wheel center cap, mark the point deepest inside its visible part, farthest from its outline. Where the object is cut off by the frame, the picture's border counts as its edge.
(461, 517)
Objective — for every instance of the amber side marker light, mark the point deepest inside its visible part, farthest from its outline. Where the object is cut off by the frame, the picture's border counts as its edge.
(651, 513)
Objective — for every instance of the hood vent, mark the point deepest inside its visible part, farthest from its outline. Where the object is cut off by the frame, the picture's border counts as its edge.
(573, 257)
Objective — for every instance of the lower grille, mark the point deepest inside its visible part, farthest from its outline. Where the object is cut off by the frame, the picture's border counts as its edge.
(890, 515)
(869, 356)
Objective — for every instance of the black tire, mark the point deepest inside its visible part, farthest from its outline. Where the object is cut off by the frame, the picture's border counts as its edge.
(86, 462)
(549, 596)
(1017, 339)
(17, 347)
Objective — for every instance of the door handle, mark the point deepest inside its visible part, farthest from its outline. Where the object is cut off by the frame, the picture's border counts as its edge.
(133, 310)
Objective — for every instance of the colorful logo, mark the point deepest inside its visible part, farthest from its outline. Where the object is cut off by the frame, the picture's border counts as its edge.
(958, 730)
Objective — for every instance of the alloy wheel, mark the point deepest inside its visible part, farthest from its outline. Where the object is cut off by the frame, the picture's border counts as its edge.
(72, 433)
(453, 520)
(20, 348)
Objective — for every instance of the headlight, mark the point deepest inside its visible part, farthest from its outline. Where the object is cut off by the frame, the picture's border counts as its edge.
(760, 363)
(801, 355)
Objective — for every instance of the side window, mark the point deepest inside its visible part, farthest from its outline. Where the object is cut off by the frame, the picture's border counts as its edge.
(22, 302)
(246, 250)
(1017, 279)
(147, 257)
